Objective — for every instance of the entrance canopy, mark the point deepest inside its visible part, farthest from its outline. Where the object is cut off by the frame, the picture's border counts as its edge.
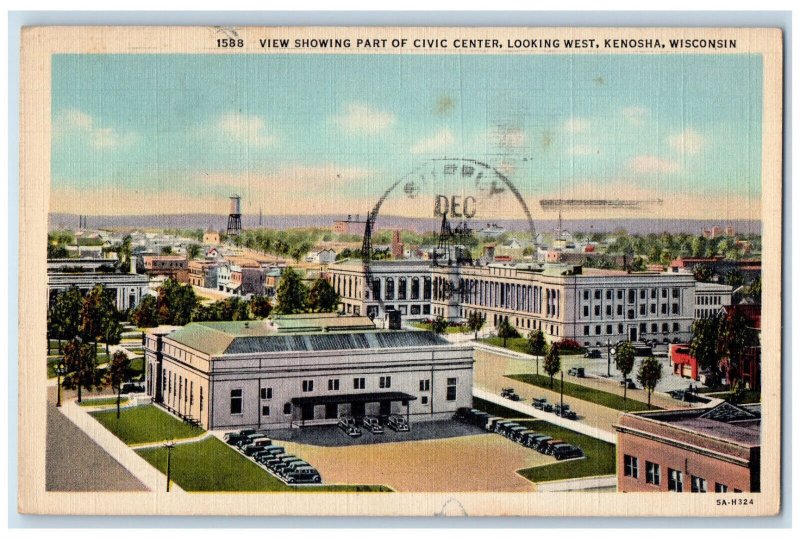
(388, 396)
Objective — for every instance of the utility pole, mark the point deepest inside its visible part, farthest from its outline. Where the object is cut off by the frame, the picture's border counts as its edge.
(169, 446)
(562, 392)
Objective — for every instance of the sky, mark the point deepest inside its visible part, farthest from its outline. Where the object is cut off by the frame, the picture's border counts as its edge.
(326, 134)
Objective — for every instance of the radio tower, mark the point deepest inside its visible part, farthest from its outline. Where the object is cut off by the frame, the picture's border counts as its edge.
(235, 216)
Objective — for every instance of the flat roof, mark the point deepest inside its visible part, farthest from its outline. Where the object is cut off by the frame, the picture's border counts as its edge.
(354, 397)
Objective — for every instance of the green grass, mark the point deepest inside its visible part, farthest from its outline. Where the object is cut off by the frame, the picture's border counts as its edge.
(211, 465)
(589, 394)
(520, 344)
(104, 401)
(600, 456)
(136, 366)
(496, 409)
(749, 397)
(143, 424)
(448, 330)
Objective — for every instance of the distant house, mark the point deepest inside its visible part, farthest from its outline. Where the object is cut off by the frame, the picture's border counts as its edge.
(172, 266)
(324, 257)
(211, 237)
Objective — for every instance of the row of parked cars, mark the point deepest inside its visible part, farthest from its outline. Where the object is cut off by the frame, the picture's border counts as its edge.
(352, 426)
(258, 446)
(542, 404)
(515, 432)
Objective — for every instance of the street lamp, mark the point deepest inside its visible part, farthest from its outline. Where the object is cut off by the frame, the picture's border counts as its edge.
(561, 386)
(59, 373)
(169, 445)
(608, 345)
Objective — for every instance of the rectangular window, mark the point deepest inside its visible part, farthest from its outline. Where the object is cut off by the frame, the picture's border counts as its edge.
(287, 408)
(585, 330)
(308, 385)
(597, 294)
(699, 484)
(265, 410)
(423, 400)
(642, 293)
(236, 401)
(585, 310)
(609, 329)
(674, 480)
(585, 294)
(191, 393)
(451, 389)
(201, 399)
(620, 293)
(266, 393)
(663, 292)
(652, 473)
(608, 294)
(674, 308)
(641, 309)
(597, 330)
(663, 308)
(675, 293)
(385, 382)
(719, 487)
(424, 385)
(359, 383)
(652, 308)
(619, 310)
(597, 310)
(333, 384)
(608, 310)
(631, 467)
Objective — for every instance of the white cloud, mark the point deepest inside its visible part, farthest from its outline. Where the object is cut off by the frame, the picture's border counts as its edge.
(244, 129)
(636, 115)
(576, 125)
(687, 142)
(434, 143)
(583, 149)
(363, 120)
(651, 164)
(74, 123)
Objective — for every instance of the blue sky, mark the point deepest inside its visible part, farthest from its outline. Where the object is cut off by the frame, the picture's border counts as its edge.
(325, 133)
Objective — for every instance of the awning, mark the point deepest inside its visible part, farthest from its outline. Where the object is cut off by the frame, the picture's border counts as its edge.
(353, 397)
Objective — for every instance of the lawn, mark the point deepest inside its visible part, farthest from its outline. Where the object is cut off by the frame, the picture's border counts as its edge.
(143, 424)
(104, 402)
(609, 400)
(448, 330)
(211, 465)
(520, 344)
(600, 456)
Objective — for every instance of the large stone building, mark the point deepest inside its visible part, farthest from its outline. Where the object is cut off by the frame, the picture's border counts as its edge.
(302, 370)
(591, 306)
(84, 274)
(690, 450)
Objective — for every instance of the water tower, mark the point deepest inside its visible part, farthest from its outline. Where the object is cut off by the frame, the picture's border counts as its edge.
(235, 216)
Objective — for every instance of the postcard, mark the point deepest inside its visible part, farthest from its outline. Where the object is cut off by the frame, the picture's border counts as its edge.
(400, 271)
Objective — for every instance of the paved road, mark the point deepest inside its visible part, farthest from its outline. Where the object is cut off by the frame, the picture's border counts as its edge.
(75, 463)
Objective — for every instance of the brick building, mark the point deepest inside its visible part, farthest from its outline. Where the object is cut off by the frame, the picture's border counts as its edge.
(690, 450)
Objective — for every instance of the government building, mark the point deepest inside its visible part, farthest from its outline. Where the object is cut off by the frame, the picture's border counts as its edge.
(307, 369)
(591, 306)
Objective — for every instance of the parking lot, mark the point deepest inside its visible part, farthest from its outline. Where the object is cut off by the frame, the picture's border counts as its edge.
(468, 460)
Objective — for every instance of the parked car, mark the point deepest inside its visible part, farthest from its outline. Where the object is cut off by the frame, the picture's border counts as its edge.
(348, 425)
(271, 460)
(292, 466)
(539, 403)
(533, 440)
(491, 422)
(371, 423)
(398, 423)
(558, 409)
(550, 445)
(547, 407)
(231, 438)
(461, 414)
(593, 354)
(258, 445)
(514, 433)
(509, 393)
(630, 383)
(569, 414)
(279, 465)
(579, 372)
(267, 452)
(567, 452)
(304, 475)
(479, 419)
(252, 438)
(502, 426)
(132, 388)
(541, 443)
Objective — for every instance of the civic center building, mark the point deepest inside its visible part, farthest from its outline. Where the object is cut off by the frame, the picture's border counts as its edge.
(591, 306)
(308, 369)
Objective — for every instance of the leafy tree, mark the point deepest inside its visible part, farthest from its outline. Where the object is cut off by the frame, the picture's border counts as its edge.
(260, 307)
(736, 337)
(292, 294)
(65, 315)
(475, 322)
(56, 251)
(175, 303)
(439, 325)
(99, 317)
(537, 345)
(753, 291)
(166, 250)
(638, 264)
(79, 366)
(702, 273)
(145, 314)
(506, 331)
(322, 297)
(699, 246)
(193, 250)
(649, 375)
(552, 363)
(734, 278)
(117, 373)
(624, 360)
(704, 346)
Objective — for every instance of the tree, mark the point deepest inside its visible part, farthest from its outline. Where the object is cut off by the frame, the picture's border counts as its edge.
(624, 359)
(735, 338)
(475, 322)
(439, 325)
(704, 346)
(193, 250)
(175, 303)
(260, 306)
(322, 297)
(117, 373)
(79, 366)
(753, 291)
(702, 273)
(649, 375)
(99, 317)
(734, 278)
(65, 315)
(552, 363)
(506, 331)
(166, 250)
(537, 345)
(292, 294)
(145, 315)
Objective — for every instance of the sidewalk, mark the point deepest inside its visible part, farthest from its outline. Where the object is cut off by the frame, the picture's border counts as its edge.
(153, 479)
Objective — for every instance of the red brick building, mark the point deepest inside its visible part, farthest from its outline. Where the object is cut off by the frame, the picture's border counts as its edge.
(690, 450)
(751, 357)
(683, 362)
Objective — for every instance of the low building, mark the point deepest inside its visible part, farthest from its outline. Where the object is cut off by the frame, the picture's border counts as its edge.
(322, 257)
(211, 237)
(304, 370)
(172, 266)
(690, 450)
(683, 363)
(128, 289)
(709, 297)
(203, 273)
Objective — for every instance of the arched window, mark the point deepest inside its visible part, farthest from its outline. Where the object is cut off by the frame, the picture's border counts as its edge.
(415, 288)
(389, 288)
(401, 288)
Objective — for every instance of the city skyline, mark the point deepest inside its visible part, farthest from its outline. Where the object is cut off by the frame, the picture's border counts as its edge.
(306, 134)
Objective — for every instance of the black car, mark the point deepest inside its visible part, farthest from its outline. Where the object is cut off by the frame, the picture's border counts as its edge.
(539, 403)
(541, 442)
(233, 438)
(627, 381)
(578, 372)
(547, 407)
(593, 354)
(534, 441)
(461, 414)
(567, 451)
(304, 475)
(509, 393)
